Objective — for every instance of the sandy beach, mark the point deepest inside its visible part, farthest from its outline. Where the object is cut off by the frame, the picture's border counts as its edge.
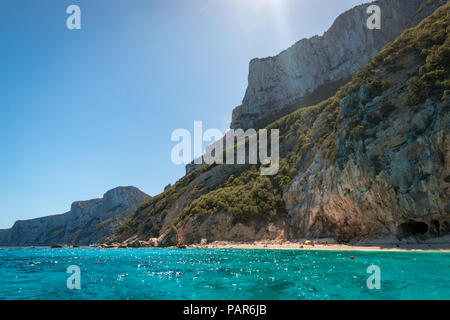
(325, 245)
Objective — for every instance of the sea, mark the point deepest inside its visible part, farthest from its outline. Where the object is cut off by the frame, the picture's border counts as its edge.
(236, 274)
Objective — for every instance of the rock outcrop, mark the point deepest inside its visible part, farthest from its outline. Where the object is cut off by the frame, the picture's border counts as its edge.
(390, 181)
(87, 221)
(313, 69)
(370, 162)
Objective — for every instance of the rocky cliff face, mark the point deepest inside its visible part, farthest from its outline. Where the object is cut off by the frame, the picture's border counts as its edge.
(370, 162)
(390, 178)
(313, 69)
(86, 222)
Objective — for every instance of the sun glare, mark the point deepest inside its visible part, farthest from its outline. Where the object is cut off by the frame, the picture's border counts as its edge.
(277, 11)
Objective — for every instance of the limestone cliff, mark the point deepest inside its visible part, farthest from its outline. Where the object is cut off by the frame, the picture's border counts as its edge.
(87, 221)
(370, 162)
(313, 69)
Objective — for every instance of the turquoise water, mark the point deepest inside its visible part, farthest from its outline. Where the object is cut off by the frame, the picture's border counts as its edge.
(221, 274)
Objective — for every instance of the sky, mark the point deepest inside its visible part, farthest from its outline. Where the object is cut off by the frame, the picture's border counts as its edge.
(84, 111)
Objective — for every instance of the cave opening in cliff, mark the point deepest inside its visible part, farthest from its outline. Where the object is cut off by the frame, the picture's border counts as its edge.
(435, 228)
(413, 228)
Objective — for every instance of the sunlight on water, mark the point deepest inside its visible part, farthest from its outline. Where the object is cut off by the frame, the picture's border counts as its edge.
(221, 274)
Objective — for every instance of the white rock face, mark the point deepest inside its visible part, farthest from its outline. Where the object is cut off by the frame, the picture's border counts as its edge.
(278, 82)
(85, 223)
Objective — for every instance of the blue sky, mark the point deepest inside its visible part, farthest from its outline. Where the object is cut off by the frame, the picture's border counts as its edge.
(84, 111)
